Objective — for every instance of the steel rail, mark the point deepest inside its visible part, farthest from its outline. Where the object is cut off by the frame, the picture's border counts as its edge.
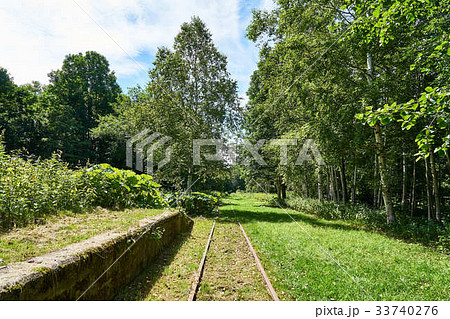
(201, 267)
(272, 291)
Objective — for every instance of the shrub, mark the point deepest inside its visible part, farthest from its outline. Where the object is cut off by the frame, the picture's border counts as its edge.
(217, 195)
(195, 203)
(31, 189)
(332, 210)
(114, 187)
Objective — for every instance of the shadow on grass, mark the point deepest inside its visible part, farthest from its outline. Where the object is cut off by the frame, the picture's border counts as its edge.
(271, 214)
(278, 215)
(142, 285)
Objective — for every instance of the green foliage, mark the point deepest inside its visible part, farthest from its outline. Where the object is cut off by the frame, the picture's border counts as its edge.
(18, 116)
(195, 203)
(122, 188)
(433, 107)
(189, 85)
(59, 117)
(331, 210)
(215, 194)
(422, 29)
(31, 189)
(419, 230)
(82, 91)
(321, 63)
(86, 83)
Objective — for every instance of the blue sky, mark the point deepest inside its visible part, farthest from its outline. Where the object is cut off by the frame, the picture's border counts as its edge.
(39, 33)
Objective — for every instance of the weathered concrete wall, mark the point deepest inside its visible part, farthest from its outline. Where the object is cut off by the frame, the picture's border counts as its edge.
(67, 273)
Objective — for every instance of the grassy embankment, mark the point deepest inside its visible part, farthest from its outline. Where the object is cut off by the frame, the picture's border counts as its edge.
(61, 230)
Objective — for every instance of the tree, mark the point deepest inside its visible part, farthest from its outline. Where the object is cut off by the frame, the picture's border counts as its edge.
(421, 28)
(197, 92)
(88, 88)
(190, 95)
(308, 87)
(324, 62)
(18, 117)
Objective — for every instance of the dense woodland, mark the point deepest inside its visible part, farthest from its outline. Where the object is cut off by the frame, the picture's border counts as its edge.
(366, 80)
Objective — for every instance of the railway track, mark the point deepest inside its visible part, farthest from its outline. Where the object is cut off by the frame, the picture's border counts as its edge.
(201, 269)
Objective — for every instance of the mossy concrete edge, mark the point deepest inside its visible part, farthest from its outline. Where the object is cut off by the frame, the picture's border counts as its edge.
(72, 271)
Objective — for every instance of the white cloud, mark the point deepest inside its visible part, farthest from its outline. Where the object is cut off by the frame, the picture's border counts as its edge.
(268, 5)
(37, 34)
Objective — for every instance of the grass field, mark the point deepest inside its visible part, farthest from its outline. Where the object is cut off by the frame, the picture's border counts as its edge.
(315, 259)
(59, 231)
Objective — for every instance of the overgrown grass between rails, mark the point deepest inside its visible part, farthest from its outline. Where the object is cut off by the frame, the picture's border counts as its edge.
(171, 274)
(296, 256)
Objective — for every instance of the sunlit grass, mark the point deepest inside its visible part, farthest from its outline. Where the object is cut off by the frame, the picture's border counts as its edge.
(59, 231)
(315, 259)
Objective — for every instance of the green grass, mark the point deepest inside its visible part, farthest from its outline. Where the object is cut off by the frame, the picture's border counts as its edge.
(59, 231)
(171, 274)
(372, 266)
(230, 272)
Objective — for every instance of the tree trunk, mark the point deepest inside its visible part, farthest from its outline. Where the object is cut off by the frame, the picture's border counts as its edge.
(319, 185)
(306, 186)
(189, 183)
(380, 198)
(336, 186)
(375, 198)
(283, 190)
(403, 181)
(447, 155)
(327, 184)
(385, 183)
(331, 185)
(375, 179)
(435, 187)
(354, 187)
(278, 187)
(413, 190)
(343, 181)
(429, 196)
(305, 190)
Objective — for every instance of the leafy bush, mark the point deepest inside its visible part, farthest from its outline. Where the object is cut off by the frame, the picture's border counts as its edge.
(114, 187)
(217, 195)
(195, 203)
(31, 189)
(272, 201)
(332, 210)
